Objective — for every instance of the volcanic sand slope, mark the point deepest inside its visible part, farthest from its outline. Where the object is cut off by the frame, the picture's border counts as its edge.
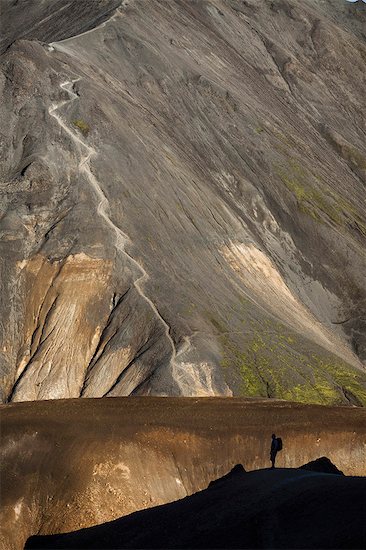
(260, 509)
(72, 464)
(183, 199)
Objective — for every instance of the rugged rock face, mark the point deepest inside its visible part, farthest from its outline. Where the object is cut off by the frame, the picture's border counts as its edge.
(183, 199)
(71, 464)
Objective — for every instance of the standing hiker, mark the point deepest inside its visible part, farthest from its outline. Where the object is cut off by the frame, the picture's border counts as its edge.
(276, 446)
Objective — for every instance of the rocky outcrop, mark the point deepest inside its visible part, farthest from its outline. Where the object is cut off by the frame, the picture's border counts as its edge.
(323, 465)
(72, 464)
(183, 191)
(235, 472)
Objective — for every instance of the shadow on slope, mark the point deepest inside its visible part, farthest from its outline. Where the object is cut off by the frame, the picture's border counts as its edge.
(51, 20)
(282, 508)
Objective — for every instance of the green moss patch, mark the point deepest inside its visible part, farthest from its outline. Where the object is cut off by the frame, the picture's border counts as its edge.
(316, 199)
(82, 126)
(309, 199)
(268, 365)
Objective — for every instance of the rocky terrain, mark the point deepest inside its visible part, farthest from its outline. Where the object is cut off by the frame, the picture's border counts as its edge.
(73, 464)
(268, 509)
(183, 199)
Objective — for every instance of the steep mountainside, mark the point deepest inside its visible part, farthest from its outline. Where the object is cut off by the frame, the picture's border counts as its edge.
(183, 199)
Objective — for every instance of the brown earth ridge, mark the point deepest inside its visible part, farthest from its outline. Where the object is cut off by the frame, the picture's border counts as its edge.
(183, 199)
(73, 464)
(281, 508)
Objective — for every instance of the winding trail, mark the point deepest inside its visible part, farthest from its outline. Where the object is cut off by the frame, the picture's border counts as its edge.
(56, 45)
(102, 209)
(179, 373)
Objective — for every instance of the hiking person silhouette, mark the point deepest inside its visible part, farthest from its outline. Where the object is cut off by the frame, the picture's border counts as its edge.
(276, 446)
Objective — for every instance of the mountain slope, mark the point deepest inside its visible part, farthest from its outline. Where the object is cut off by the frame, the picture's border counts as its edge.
(183, 203)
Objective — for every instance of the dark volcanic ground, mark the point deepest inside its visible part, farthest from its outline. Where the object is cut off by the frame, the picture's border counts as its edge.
(72, 464)
(183, 199)
(262, 509)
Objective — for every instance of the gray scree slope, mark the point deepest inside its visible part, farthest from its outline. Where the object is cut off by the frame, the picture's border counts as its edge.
(183, 199)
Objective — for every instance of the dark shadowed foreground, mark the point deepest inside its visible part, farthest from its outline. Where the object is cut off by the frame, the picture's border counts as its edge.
(261, 509)
(73, 464)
